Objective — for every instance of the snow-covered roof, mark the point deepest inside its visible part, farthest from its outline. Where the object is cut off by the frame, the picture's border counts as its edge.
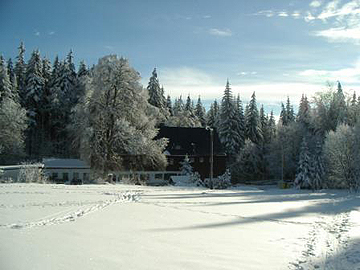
(64, 163)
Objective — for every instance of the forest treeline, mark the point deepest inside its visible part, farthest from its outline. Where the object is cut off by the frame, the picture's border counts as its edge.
(104, 115)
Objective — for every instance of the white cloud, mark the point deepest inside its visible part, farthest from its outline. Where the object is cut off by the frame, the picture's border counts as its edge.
(309, 17)
(283, 14)
(245, 73)
(206, 17)
(347, 75)
(315, 4)
(220, 32)
(340, 34)
(296, 14)
(267, 13)
(51, 33)
(37, 33)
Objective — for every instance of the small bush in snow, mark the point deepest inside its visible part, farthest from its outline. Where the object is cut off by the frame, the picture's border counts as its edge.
(196, 179)
(31, 173)
(223, 181)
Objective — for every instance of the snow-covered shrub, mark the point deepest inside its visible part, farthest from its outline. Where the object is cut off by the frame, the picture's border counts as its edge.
(32, 173)
(196, 179)
(222, 181)
(186, 168)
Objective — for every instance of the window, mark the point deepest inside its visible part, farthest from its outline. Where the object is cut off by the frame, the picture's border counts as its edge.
(66, 176)
(201, 160)
(171, 161)
(177, 147)
(76, 175)
(192, 160)
(85, 177)
(54, 175)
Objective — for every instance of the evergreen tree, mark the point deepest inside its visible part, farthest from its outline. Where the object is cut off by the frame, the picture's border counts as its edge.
(212, 116)
(169, 105)
(200, 112)
(156, 96)
(271, 127)
(264, 125)
(303, 115)
(186, 168)
(33, 102)
(318, 173)
(305, 170)
(241, 121)
(82, 69)
(252, 122)
(20, 72)
(228, 124)
(12, 76)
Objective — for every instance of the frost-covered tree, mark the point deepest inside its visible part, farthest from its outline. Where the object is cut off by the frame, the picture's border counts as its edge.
(113, 123)
(305, 170)
(200, 112)
(183, 114)
(340, 150)
(228, 124)
(5, 83)
(248, 166)
(252, 122)
(13, 123)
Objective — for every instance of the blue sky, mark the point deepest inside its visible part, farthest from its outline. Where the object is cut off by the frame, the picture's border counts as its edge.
(276, 48)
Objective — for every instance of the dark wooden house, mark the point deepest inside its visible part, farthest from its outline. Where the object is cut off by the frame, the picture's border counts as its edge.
(196, 143)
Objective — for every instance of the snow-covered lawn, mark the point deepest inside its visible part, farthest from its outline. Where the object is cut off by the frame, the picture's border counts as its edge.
(136, 227)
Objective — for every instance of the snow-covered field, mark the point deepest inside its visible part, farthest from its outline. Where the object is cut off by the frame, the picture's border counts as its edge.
(136, 227)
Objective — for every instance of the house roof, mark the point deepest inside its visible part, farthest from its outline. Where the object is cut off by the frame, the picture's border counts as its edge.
(65, 163)
(190, 141)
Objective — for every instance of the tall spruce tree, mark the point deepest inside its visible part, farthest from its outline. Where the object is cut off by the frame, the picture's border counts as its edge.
(305, 170)
(33, 102)
(156, 96)
(241, 121)
(228, 124)
(212, 116)
(303, 115)
(200, 112)
(20, 72)
(318, 172)
(252, 122)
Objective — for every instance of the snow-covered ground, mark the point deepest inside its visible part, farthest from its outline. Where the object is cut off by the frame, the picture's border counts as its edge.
(136, 227)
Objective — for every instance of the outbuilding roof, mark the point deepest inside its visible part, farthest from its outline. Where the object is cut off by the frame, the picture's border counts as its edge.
(65, 163)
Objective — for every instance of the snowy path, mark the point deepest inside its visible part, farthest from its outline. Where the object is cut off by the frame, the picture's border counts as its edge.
(135, 227)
